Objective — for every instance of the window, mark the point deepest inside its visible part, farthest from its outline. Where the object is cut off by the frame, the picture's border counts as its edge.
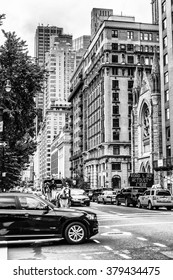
(7, 203)
(165, 42)
(168, 133)
(130, 84)
(168, 151)
(129, 110)
(116, 150)
(31, 203)
(115, 84)
(165, 59)
(150, 36)
(115, 96)
(114, 33)
(130, 97)
(115, 58)
(129, 121)
(166, 78)
(141, 36)
(116, 135)
(114, 71)
(146, 60)
(116, 166)
(164, 7)
(130, 47)
(166, 95)
(130, 34)
(115, 122)
(114, 46)
(164, 25)
(130, 59)
(146, 36)
(115, 110)
(167, 114)
(130, 72)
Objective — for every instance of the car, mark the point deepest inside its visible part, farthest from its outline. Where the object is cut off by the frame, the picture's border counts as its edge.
(129, 196)
(108, 196)
(27, 216)
(155, 198)
(79, 197)
(96, 193)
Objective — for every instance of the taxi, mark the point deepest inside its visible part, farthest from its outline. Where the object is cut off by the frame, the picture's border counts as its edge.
(156, 197)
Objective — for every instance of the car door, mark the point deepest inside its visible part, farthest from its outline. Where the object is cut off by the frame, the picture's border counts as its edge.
(144, 198)
(122, 195)
(10, 218)
(39, 220)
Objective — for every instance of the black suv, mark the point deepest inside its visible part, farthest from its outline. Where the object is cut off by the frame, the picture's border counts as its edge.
(27, 216)
(129, 195)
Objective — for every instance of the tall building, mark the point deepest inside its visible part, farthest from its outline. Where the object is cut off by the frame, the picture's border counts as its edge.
(42, 40)
(101, 97)
(98, 15)
(81, 43)
(41, 46)
(155, 11)
(165, 164)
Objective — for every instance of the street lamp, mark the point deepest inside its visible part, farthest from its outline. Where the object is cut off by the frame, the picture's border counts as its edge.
(2, 142)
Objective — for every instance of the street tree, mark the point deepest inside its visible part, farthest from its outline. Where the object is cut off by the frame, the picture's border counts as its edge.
(25, 78)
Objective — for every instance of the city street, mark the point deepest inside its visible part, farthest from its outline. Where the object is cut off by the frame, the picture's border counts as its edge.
(126, 233)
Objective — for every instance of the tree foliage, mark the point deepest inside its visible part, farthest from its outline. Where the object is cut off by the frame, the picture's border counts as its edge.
(26, 79)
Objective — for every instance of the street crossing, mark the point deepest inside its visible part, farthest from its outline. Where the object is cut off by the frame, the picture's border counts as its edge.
(112, 215)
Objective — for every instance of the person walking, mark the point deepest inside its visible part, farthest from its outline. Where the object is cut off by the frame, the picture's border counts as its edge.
(64, 197)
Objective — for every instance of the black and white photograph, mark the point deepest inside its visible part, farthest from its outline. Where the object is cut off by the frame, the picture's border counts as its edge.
(86, 139)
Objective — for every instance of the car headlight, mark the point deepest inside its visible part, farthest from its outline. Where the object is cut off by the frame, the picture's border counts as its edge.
(91, 216)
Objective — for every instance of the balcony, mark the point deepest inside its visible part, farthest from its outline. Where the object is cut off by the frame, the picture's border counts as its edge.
(165, 164)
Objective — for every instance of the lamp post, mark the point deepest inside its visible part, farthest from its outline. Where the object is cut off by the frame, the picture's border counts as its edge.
(2, 140)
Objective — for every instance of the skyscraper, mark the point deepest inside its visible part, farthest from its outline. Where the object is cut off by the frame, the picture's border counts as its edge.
(155, 11)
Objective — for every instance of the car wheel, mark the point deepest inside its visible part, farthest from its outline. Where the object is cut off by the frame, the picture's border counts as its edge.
(75, 233)
(126, 202)
(169, 208)
(87, 204)
(117, 202)
(150, 207)
(139, 204)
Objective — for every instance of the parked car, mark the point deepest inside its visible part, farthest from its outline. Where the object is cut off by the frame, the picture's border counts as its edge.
(96, 193)
(108, 196)
(79, 198)
(27, 216)
(129, 195)
(155, 198)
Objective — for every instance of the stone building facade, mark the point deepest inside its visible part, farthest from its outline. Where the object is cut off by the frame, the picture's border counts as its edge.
(146, 143)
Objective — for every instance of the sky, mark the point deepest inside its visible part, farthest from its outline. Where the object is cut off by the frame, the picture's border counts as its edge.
(74, 16)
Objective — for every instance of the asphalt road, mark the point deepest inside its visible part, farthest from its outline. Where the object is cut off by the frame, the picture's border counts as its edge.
(125, 233)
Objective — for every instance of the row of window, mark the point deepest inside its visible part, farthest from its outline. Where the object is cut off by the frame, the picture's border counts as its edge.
(115, 84)
(144, 36)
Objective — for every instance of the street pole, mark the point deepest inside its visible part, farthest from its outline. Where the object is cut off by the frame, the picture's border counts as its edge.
(1, 148)
(2, 143)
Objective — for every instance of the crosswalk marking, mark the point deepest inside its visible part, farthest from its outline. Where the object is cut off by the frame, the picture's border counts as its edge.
(116, 216)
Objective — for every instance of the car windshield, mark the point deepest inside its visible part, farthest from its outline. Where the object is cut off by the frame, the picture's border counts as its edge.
(77, 192)
(110, 192)
(164, 192)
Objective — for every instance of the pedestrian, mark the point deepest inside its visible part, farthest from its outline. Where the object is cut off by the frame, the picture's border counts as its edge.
(64, 197)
